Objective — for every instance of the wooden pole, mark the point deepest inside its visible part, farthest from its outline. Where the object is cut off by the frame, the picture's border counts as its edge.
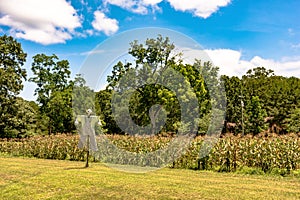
(88, 151)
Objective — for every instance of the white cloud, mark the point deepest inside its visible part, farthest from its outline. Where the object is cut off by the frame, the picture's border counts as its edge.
(231, 64)
(200, 8)
(90, 32)
(135, 6)
(55, 21)
(283, 67)
(45, 22)
(229, 61)
(104, 24)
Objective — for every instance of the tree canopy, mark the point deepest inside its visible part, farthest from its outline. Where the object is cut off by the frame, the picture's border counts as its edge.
(154, 92)
(54, 91)
(12, 59)
(163, 90)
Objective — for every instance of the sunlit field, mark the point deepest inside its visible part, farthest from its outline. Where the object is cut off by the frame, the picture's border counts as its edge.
(25, 178)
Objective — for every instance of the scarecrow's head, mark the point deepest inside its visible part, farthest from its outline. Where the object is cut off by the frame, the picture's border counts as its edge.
(89, 112)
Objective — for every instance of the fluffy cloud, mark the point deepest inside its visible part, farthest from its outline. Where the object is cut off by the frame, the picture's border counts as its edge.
(284, 67)
(45, 22)
(229, 61)
(200, 8)
(136, 6)
(231, 64)
(104, 24)
(55, 21)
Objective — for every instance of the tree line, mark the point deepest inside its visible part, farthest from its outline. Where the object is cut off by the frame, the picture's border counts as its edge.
(259, 101)
(270, 102)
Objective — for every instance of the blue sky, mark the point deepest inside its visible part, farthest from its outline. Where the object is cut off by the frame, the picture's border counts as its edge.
(236, 34)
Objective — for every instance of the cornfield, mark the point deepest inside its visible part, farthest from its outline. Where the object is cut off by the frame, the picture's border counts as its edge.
(233, 152)
(61, 147)
(229, 154)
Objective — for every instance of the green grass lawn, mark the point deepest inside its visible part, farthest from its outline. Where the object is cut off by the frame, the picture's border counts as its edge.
(24, 178)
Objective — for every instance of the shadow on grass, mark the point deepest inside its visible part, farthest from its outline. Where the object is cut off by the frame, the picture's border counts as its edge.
(71, 168)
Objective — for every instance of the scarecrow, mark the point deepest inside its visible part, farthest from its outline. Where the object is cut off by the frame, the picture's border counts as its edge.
(85, 125)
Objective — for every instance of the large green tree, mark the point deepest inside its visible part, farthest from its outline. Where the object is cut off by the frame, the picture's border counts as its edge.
(12, 59)
(163, 86)
(54, 91)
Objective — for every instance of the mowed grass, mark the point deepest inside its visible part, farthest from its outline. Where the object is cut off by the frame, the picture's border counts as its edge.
(25, 178)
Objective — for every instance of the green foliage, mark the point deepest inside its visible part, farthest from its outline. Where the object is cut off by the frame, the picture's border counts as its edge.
(54, 92)
(83, 97)
(50, 75)
(156, 64)
(12, 58)
(277, 97)
(26, 119)
(271, 103)
(233, 88)
(292, 123)
(151, 61)
(104, 110)
(60, 111)
(255, 117)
